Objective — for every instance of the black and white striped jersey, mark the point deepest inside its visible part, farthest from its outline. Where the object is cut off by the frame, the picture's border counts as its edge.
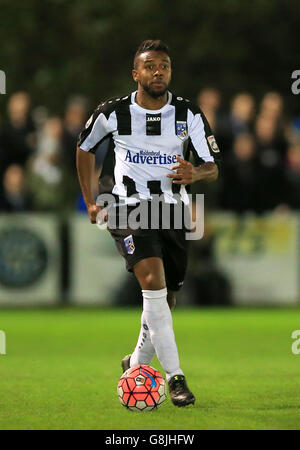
(143, 145)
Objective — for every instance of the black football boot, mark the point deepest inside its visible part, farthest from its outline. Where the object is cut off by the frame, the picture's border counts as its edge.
(179, 392)
(126, 363)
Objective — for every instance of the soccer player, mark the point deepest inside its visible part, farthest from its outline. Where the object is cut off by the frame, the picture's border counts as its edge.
(150, 134)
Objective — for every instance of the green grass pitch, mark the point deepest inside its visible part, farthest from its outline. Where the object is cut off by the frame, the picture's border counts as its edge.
(62, 367)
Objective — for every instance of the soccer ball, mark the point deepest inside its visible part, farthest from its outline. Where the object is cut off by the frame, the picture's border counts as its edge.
(142, 388)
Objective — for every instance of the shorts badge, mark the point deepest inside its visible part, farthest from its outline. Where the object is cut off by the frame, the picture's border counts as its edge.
(129, 245)
(181, 129)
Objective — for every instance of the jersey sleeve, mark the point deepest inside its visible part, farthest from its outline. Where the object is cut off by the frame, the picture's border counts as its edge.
(202, 137)
(96, 129)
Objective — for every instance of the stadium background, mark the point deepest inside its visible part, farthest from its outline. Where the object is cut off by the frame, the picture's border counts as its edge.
(235, 59)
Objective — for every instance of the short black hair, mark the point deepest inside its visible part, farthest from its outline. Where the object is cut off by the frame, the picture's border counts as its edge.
(149, 45)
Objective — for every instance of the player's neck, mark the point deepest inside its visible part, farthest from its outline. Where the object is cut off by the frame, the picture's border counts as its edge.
(144, 100)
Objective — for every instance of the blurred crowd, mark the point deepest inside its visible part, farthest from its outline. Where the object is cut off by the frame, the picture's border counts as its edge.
(259, 141)
(260, 145)
(37, 155)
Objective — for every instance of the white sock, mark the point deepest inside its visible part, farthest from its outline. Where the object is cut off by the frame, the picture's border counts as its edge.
(159, 321)
(144, 350)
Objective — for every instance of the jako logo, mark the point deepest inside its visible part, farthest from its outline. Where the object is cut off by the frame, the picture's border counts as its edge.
(296, 344)
(2, 82)
(2, 343)
(153, 119)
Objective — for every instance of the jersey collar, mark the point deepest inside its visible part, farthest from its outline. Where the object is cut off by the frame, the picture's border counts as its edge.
(151, 111)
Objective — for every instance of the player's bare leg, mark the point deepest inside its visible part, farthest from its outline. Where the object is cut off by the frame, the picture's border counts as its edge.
(158, 320)
(150, 274)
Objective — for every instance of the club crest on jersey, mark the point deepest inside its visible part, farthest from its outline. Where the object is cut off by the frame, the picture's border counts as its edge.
(129, 245)
(181, 129)
(213, 144)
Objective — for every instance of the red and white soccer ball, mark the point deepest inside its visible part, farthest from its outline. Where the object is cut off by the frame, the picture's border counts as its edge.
(142, 388)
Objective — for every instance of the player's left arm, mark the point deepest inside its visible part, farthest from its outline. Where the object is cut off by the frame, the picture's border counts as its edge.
(207, 150)
(186, 173)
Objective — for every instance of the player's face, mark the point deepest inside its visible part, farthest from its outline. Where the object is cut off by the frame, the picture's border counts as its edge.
(153, 72)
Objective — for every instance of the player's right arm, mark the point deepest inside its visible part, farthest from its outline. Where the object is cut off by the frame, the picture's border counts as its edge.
(95, 130)
(85, 162)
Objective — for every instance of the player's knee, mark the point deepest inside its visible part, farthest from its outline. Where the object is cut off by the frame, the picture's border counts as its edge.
(152, 282)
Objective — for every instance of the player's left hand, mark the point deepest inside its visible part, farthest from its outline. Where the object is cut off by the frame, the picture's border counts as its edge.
(185, 172)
